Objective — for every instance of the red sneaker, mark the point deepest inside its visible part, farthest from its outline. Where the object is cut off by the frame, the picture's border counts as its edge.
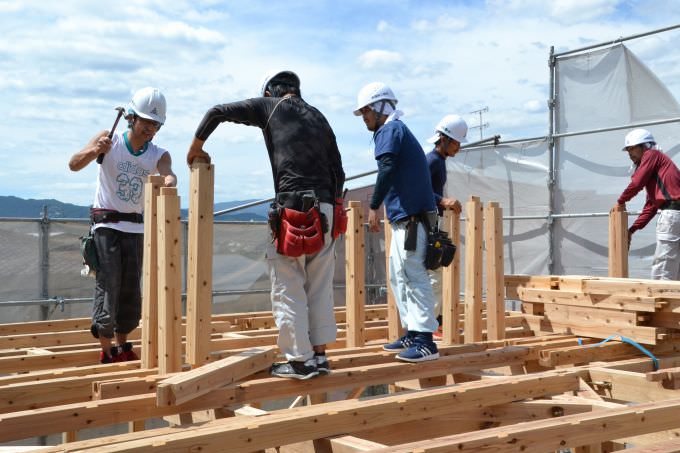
(127, 353)
(114, 357)
(437, 335)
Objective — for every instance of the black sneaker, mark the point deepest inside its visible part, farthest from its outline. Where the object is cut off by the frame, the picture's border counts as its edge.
(401, 344)
(295, 370)
(322, 364)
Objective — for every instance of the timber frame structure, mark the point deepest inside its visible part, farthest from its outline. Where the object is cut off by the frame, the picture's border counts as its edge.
(589, 364)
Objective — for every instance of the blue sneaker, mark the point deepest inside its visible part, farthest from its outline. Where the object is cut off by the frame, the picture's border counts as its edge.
(420, 352)
(401, 344)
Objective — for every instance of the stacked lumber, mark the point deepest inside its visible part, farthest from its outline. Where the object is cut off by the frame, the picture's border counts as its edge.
(645, 311)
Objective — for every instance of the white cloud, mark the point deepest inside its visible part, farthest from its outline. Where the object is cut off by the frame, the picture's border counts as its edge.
(441, 23)
(383, 26)
(578, 10)
(380, 58)
(534, 106)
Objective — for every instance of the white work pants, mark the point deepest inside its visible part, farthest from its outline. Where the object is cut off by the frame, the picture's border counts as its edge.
(666, 264)
(302, 297)
(410, 281)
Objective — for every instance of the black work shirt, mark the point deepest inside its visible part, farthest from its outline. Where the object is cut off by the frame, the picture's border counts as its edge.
(437, 164)
(302, 148)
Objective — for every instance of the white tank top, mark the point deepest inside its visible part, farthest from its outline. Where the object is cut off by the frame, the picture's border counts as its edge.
(121, 179)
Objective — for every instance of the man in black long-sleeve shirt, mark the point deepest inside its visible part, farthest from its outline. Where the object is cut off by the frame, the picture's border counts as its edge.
(304, 157)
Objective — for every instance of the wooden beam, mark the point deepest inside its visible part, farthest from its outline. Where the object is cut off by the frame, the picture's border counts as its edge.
(557, 434)
(355, 295)
(149, 354)
(199, 263)
(495, 290)
(473, 270)
(19, 425)
(189, 385)
(335, 418)
(169, 282)
(618, 242)
(580, 299)
(451, 283)
(394, 328)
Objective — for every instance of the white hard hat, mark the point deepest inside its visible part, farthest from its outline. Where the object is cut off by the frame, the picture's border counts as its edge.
(637, 137)
(373, 92)
(270, 75)
(452, 126)
(148, 103)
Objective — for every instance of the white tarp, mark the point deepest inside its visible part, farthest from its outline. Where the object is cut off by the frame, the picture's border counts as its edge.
(599, 89)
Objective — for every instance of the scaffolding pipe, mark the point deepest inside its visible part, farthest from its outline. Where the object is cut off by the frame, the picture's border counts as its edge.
(495, 139)
(615, 41)
(552, 151)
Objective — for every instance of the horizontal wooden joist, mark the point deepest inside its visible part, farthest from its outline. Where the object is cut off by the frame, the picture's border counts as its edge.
(19, 425)
(556, 434)
(329, 419)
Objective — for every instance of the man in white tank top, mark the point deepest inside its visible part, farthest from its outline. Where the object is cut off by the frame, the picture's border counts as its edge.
(117, 218)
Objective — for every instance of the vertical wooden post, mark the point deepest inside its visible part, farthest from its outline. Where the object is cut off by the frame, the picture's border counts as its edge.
(199, 266)
(394, 329)
(149, 357)
(355, 276)
(451, 283)
(169, 283)
(495, 289)
(473, 270)
(618, 242)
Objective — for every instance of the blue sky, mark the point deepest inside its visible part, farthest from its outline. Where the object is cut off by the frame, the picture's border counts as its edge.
(67, 64)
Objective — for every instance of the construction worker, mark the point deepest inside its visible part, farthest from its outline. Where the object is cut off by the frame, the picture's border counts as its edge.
(305, 218)
(116, 218)
(403, 183)
(450, 133)
(659, 176)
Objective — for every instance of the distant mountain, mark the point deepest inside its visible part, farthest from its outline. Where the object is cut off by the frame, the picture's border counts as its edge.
(19, 207)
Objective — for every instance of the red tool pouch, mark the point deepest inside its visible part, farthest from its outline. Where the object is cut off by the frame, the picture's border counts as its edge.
(300, 233)
(339, 218)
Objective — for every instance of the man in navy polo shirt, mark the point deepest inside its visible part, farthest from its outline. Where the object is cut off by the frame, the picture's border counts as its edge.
(403, 184)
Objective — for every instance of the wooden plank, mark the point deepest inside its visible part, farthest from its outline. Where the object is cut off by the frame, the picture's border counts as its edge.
(590, 317)
(451, 283)
(579, 299)
(199, 262)
(189, 385)
(355, 274)
(394, 328)
(669, 446)
(630, 386)
(558, 433)
(340, 417)
(473, 270)
(495, 290)
(50, 392)
(358, 370)
(149, 352)
(618, 242)
(514, 281)
(169, 282)
(23, 424)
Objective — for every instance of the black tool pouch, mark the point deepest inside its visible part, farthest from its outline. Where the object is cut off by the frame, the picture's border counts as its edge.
(89, 251)
(274, 219)
(411, 239)
(440, 250)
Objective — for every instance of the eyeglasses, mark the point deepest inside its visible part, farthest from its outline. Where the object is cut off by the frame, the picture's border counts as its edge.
(145, 122)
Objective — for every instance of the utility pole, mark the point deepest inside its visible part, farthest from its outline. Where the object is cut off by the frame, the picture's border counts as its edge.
(482, 124)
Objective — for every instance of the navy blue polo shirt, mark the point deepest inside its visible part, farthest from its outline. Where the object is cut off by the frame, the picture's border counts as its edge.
(411, 191)
(437, 164)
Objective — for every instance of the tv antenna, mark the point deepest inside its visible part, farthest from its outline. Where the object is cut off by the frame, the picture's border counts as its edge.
(482, 124)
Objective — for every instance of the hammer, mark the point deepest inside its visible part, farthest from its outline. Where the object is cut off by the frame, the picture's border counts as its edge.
(121, 111)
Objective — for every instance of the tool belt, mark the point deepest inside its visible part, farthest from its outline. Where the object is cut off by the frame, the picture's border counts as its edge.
(440, 250)
(297, 224)
(671, 204)
(99, 215)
